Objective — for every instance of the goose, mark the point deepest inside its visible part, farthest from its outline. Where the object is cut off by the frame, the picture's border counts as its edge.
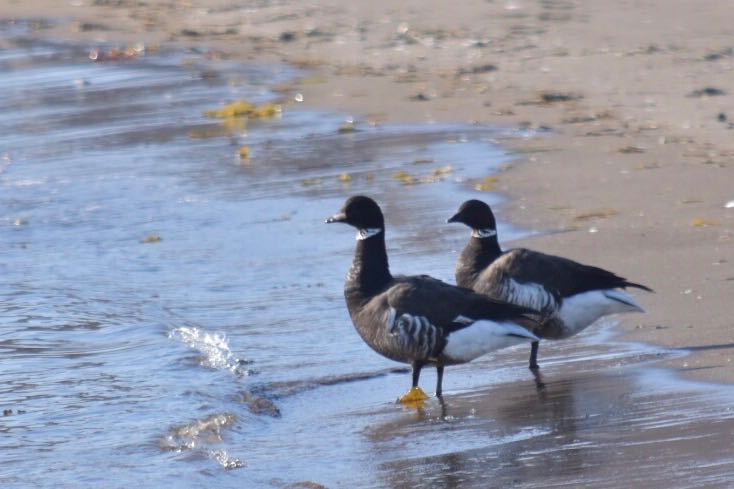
(570, 295)
(420, 320)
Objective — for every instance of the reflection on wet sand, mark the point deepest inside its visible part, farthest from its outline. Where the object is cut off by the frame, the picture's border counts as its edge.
(577, 431)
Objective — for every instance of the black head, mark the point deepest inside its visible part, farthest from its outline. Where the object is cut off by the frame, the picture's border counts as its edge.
(361, 212)
(475, 214)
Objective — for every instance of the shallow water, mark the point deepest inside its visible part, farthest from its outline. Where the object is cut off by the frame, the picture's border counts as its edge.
(222, 355)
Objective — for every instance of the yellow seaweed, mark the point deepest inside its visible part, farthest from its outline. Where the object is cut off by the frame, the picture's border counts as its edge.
(234, 125)
(443, 171)
(209, 132)
(311, 182)
(243, 108)
(404, 177)
(599, 214)
(700, 222)
(235, 109)
(486, 184)
(312, 80)
(265, 111)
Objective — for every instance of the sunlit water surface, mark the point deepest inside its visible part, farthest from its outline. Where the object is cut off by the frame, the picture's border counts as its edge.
(222, 354)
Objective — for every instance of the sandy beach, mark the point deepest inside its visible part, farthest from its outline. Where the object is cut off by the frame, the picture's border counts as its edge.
(634, 173)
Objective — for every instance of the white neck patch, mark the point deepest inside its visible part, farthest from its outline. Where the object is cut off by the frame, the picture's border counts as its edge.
(483, 233)
(367, 233)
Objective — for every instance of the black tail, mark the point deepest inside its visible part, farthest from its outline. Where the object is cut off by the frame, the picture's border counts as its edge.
(637, 286)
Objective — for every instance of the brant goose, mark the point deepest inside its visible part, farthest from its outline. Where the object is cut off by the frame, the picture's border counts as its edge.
(570, 295)
(418, 319)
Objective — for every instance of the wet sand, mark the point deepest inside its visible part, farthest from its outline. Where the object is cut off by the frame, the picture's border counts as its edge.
(634, 174)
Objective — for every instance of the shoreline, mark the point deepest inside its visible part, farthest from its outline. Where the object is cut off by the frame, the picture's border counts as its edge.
(636, 169)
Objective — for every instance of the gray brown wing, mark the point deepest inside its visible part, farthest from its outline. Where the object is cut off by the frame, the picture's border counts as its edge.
(442, 303)
(560, 276)
(423, 311)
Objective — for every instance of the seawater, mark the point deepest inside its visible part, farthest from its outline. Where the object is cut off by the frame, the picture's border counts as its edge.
(172, 315)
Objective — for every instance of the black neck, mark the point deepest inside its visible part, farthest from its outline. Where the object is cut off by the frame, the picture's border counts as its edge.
(370, 272)
(478, 254)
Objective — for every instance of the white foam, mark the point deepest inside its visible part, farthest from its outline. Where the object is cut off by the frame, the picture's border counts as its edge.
(214, 347)
(198, 433)
(226, 460)
(28, 182)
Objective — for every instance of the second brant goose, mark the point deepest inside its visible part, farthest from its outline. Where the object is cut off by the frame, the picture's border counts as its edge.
(420, 320)
(570, 295)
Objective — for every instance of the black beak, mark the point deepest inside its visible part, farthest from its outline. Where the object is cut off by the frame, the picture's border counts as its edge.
(455, 218)
(338, 217)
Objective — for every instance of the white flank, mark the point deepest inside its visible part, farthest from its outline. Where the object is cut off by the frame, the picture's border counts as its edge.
(484, 336)
(532, 295)
(581, 310)
(463, 319)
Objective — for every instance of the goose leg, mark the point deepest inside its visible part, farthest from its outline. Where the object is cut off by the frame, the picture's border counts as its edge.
(415, 394)
(534, 356)
(417, 366)
(539, 384)
(439, 380)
